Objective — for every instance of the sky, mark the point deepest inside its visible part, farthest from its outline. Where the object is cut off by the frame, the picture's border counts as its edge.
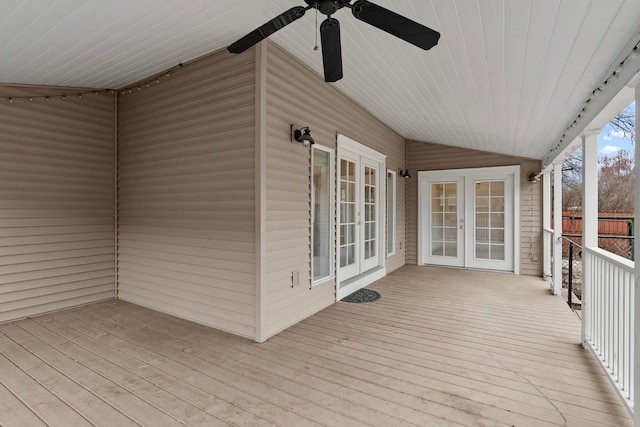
(610, 142)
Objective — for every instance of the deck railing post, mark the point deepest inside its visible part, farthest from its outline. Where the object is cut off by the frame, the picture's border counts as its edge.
(630, 233)
(570, 278)
(546, 224)
(557, 228)
(589, 221)
(636, 333)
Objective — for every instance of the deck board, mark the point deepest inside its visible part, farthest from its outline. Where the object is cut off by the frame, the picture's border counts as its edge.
(25, 356)
(443, 347)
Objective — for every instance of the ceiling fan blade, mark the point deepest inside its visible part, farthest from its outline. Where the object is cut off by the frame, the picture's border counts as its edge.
(331, 50)
(397, 25)
(267, 29)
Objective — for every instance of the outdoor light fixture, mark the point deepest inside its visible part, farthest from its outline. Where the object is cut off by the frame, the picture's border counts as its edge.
(302, 135)
(535, 177)
(404, 173)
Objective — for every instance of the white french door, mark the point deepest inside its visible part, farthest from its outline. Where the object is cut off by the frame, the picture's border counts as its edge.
(360, 216)
(445, 197)
(349, 228)
(468, 218)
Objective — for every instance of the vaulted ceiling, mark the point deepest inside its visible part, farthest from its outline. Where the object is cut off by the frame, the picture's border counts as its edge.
(507, 76)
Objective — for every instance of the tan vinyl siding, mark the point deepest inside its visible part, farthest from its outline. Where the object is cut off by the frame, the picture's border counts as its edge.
(424, 156)
(56, 200)
(296, 95)
(186, 193)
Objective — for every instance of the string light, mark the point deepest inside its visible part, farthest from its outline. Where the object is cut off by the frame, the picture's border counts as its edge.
(154, 80)
(122, 91)
(51, 97)
(615, 74)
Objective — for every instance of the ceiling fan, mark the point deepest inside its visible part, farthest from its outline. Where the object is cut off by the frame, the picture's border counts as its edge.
(384, 19)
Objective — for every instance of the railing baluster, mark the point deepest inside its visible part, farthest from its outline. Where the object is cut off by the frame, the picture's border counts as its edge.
(608, 310)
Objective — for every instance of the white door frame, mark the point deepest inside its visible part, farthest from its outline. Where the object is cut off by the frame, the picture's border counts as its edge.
(346, 285)
(469, 174)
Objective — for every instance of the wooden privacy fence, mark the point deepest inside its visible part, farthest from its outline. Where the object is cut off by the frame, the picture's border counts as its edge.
(615, 231)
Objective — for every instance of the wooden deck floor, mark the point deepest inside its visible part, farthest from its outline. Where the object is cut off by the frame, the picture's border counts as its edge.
(442, 347)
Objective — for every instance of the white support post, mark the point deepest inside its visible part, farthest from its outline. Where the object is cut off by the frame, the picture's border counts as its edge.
(636, 332)
(589, 192)
(557, 228)
(589, 218)
(546, 224)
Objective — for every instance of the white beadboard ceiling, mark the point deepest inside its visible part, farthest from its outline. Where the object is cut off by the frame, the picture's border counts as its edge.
(508, 76)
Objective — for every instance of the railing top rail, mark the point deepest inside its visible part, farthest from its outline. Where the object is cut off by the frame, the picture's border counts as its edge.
(564, 236)
(601, 236)
(617, 260)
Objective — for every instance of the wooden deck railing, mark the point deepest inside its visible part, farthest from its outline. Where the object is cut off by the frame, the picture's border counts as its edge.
(608, 317)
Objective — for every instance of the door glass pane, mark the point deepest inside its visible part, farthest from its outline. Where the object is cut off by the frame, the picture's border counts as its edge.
(489, 219)
(444, 219)
(321, 214)
(347, 213)
(451, 250)
(370, 223)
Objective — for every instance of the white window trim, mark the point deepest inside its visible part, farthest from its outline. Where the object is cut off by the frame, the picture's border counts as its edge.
(395, 212)
(332, 214)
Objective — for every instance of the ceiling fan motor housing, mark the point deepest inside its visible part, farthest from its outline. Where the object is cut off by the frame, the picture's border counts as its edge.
(326, 7)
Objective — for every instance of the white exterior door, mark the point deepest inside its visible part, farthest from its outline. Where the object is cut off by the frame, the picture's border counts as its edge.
(368, 216)
(361, 242)
(468, 218)
(349, 230)
(444, 243)
(489, 242)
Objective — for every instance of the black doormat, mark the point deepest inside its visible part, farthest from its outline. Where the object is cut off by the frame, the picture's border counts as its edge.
(362, 295)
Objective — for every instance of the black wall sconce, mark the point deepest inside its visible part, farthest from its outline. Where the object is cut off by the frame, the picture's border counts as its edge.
(302, 135)
(535, 177)
(404, 173)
